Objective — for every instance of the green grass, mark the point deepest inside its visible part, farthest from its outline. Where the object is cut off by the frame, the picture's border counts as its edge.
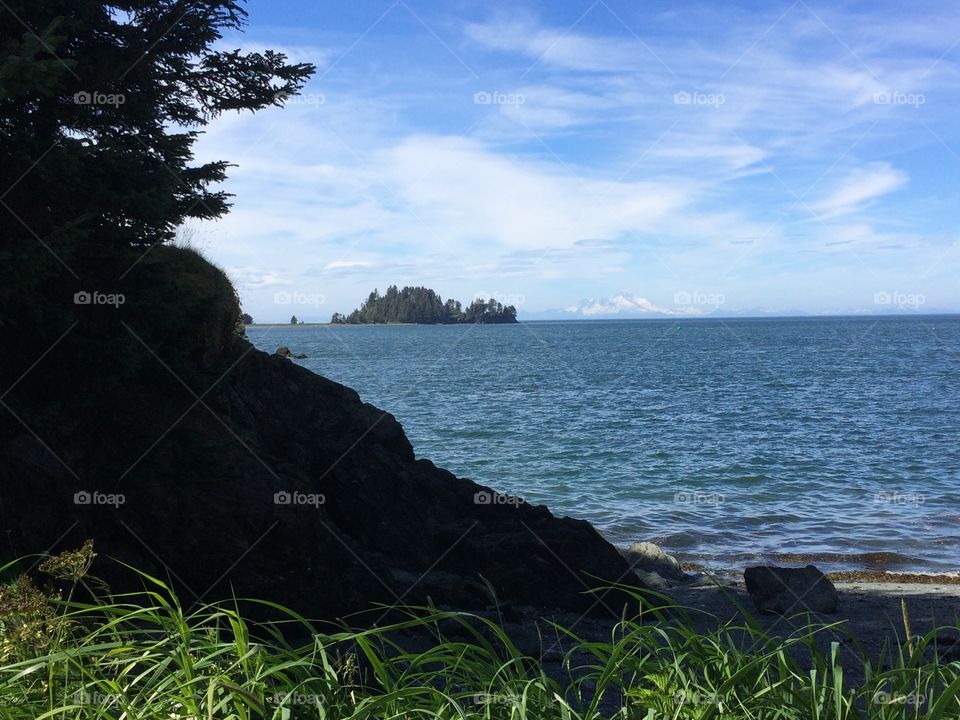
(146, 656)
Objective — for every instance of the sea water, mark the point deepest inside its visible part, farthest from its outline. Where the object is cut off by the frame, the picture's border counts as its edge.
(727, 441)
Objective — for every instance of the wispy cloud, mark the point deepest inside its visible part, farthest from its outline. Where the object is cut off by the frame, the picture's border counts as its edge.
(345, 265)
(759, 152)
(859, 187)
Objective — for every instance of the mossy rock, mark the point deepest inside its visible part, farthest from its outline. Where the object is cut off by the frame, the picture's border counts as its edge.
(187, 305)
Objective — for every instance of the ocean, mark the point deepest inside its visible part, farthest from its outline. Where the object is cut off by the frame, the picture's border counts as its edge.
(726, 441)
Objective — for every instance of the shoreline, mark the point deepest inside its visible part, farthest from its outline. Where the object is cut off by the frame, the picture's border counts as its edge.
(661, 571)
(873, 610)
(869, 620)
(947, 314)
(872, 568)
(859, 577)
(390, 324)
(870, 614)
(867, 624)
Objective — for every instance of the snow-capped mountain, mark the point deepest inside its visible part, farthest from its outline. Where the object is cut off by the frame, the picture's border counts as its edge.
(626, 304)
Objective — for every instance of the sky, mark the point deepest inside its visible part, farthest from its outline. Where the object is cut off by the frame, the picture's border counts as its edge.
(599, 158)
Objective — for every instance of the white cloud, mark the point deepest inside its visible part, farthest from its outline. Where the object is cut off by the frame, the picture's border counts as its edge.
(376, 185)
(345, 264)
(458, 191)
(860, 187)
(558, 47)
(255, 277)
(725, 153)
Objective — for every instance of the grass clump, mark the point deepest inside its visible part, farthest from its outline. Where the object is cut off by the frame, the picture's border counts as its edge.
(146, 656)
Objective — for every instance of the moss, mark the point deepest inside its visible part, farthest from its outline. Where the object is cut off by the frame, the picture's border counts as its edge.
(187, 304)
(121, 375)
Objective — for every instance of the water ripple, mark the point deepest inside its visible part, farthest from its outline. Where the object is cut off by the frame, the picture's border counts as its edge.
(725, 441)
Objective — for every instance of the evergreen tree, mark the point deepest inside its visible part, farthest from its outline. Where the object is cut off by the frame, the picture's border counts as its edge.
(423, 305)
(109, 95)
(452, 311)
(100, 106)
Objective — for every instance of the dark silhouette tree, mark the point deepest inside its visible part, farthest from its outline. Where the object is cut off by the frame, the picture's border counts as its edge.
(106, 98)
(100, 106)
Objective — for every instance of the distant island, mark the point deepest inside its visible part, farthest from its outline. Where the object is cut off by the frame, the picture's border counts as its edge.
(423, 306)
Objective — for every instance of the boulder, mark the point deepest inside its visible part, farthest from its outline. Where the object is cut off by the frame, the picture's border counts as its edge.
(787, 591)
(654, 567)
(282, 351)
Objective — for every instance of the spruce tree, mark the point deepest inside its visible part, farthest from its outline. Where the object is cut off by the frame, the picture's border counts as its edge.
(100, 106)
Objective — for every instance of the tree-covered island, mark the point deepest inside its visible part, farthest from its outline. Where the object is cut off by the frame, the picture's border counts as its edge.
(423, 305)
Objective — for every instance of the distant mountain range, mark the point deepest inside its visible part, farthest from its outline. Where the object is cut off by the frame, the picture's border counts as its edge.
(626, 305)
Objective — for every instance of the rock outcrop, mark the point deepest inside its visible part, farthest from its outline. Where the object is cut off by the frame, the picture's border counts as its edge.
(235, 471)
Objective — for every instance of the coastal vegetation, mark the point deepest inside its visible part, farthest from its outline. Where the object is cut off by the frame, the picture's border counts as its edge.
(423, 305)
(145, 655)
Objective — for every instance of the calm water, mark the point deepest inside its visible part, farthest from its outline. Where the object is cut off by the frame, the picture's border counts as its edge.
(726, 441)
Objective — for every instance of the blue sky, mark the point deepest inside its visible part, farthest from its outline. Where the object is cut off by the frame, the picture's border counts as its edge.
(600, 158)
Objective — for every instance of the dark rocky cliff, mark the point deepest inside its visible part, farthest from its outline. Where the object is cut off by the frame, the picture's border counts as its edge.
(244, 472)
